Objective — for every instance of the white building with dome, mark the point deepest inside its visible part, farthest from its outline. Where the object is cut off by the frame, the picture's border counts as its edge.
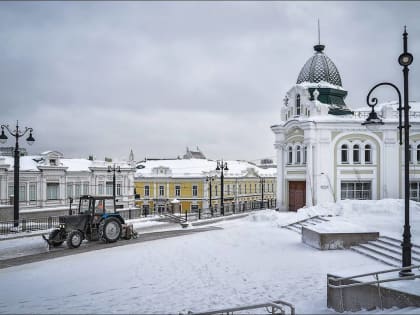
(324, 154)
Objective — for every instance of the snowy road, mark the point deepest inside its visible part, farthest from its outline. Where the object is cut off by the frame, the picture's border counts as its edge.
(250, 260)
(34, 249)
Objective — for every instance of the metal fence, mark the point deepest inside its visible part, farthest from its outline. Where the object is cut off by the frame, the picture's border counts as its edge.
(44, 223)
(27, 225)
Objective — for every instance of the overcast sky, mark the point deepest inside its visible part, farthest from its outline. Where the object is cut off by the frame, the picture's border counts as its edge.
(102, 78)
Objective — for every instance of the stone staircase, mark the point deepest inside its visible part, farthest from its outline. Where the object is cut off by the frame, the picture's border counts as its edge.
(297, 226)
(387, 250)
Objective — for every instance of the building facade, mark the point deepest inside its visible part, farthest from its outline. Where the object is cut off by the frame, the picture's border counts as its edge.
(187, 185)
(325, 154)
(50, 180)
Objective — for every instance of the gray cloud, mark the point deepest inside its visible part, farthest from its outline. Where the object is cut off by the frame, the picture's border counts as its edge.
(104, 77)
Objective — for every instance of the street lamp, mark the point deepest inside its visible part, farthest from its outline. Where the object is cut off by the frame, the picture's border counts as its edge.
(405, 59)
(30, 140)
(210, 179)
(114, 169)
(262, 182)
(221, 166)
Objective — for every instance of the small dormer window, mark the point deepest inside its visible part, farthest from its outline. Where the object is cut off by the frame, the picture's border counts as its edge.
(53, 162)
(298, 105)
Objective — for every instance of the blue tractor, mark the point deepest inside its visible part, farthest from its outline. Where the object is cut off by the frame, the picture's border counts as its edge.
(96, 219)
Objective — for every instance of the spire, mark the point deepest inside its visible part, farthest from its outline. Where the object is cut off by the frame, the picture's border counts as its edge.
(319, 47)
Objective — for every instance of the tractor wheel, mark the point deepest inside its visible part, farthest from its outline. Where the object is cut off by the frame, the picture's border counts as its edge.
(110, 230)
(74, 239)
(52, 236)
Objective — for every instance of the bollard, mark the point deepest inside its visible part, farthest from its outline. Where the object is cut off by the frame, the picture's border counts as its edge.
(23, 224)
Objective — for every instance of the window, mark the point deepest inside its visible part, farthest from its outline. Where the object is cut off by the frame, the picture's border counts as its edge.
(177, 190)
(344, 154)
(194, 208)
(109, 188)
(195, 190)
(146, 191)
(118, 188)
(69, 190)
(53, 162)
(32, 192)
(290, 156)
(100, 189)
(356, 153)
(356, 190)
(239, 189)
(22, 192)
(11, 190)
(52, 191)
(415, 191)
(305, 154)
(298, 154)
(161, 190)
(245, 189)
(298, 105)
(77, 190)
(228, 189)
(255, 188)
(215, 189)
(368, 154)
(85, 188)
(418, 153)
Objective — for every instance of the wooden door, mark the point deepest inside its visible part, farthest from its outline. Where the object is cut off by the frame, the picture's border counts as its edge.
(297, 195)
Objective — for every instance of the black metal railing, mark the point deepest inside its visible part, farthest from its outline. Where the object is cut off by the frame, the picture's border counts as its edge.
(45, 223)
(28, 225)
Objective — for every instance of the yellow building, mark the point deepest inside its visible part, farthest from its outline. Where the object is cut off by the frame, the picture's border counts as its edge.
(187, 185)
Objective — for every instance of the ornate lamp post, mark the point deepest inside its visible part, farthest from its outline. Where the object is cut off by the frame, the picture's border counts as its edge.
(17, 133)
(262, 182)
(210, 179)
(405, 59)
(221, 166)
(114, 169)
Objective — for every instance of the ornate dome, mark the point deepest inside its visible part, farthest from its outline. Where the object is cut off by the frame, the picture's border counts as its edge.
(319, 68)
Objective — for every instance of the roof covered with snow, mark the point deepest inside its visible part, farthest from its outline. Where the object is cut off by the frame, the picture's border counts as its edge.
(184, 168)
(33, 162)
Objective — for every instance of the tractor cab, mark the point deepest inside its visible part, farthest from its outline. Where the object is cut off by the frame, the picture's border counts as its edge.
(96, 205)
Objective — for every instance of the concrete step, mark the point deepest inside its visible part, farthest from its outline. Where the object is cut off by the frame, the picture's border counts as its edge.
(397, 241)
(414, 254)
(397, 244)
(369, 254)
(380, 252)
(294, 229)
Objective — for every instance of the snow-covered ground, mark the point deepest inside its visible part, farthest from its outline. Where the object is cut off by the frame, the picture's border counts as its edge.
(252, 260)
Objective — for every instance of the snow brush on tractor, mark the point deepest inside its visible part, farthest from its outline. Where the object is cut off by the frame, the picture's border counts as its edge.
(95, 220)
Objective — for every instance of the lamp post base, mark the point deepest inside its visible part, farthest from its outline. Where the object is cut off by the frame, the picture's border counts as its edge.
(405, 273)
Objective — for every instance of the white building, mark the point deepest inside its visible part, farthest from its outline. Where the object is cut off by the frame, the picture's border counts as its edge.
(324, 154)
(49, 180)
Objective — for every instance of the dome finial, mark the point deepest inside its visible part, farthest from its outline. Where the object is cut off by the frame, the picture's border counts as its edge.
(319, 47)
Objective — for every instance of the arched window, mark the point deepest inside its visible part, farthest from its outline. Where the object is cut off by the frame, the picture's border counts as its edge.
(298, 105)
(368, 153)
(290, 156)
(356, 153)
(305, 154)
(418, 153)
(344, 153)
(298, 155)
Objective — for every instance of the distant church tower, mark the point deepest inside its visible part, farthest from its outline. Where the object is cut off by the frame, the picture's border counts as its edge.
(131, 158)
